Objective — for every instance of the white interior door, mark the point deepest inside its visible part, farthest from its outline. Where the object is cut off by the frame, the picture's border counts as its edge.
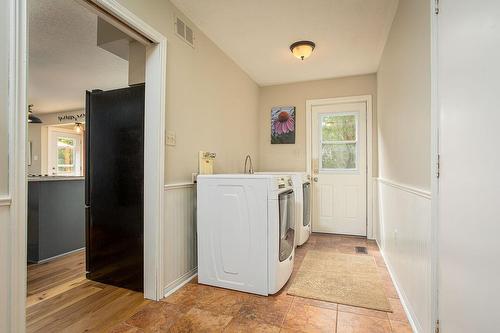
(64, 150)
(339, 168)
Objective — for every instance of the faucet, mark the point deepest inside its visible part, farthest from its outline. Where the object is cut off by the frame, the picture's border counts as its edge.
(250, 171)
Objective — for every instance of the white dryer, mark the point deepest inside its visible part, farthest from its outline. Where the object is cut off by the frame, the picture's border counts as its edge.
(302, 188)
(245, 231)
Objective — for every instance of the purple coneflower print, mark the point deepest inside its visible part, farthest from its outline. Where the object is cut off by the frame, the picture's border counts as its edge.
(282, 121)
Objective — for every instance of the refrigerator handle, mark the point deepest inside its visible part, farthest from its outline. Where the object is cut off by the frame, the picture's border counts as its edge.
(87, 146)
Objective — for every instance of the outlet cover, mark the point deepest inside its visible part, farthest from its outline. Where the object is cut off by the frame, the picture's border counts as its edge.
(170, 138)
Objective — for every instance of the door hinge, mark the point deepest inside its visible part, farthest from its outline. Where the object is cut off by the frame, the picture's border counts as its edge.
(436, 7)
(438, 166)
(437, 326)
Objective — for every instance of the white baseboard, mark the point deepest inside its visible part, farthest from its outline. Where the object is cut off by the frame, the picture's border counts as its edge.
(180, 282)
(402, 296)
(58, 256)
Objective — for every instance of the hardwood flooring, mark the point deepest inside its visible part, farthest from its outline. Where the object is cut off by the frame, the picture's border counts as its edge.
(60, 299)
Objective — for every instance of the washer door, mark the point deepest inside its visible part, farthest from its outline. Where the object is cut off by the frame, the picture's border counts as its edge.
(306, 204)
(286, 221)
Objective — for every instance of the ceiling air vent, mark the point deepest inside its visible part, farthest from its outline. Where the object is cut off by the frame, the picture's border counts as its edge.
(184, 31)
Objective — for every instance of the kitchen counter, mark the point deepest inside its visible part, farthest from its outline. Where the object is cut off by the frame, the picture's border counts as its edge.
(53, 178)
(56, 216)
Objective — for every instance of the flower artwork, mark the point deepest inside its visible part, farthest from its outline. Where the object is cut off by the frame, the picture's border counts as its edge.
(283, 124)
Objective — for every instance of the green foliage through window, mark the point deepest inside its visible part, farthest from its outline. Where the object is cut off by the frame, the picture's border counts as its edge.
(338, 141)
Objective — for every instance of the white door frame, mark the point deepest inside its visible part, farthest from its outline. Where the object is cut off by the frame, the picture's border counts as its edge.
(154, 153)
(435, 123)
(369, 153)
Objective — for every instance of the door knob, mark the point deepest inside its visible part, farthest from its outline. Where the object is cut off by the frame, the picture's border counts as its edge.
(315, 179)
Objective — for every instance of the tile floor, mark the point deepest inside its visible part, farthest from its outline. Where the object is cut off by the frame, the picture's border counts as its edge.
(200, 308)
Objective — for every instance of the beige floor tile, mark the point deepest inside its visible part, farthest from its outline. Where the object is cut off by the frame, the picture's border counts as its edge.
(400, 327)
(196, 320)
(354, 323)
(398, 312)
(265, 310)
(307, 318)
(155, 317)
(239, 325)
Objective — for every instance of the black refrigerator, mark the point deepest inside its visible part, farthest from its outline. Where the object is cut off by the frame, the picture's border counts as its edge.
(114, 187)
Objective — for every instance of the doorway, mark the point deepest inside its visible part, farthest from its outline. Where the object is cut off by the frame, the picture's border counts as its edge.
(339, 161)
(154, 154)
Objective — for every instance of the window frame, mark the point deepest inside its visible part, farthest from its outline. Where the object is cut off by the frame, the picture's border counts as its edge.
(321, 117)
(75, 165)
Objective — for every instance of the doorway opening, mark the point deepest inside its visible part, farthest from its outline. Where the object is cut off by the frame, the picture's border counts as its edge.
(65, 156)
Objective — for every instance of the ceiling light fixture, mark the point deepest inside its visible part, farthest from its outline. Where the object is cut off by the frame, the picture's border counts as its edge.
(31, 117)
(78, 128)
(302, 49)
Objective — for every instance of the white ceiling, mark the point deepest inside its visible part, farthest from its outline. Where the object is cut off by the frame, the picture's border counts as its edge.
(349, 35)
(64, 59)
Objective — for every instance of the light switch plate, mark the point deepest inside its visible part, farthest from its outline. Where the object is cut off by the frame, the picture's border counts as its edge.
(170, 138)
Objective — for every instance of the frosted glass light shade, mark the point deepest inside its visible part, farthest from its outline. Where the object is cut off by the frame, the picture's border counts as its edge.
(302, 49)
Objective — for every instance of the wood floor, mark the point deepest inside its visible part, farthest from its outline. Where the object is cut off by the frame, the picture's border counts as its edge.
(60, 299)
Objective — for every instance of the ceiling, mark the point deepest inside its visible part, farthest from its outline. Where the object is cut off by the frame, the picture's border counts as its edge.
(349, 35)
(64, 59)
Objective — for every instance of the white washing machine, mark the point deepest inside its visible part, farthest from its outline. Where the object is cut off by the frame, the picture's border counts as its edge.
(245, 231)
(302, 188)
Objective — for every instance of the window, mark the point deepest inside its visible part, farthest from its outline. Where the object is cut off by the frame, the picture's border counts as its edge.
(66, 151)
(338, 144)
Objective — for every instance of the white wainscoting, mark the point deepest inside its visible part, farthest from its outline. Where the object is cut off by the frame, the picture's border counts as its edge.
(403, 233)
(180, 257)
(5, 265)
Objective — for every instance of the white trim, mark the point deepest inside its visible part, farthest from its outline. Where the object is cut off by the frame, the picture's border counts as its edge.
(178, 185)
(5, 200)
(180, 282)
(126, 16)
(402, 296)
(406, 188)
(17, 161)
(369, 146)
(434, 164)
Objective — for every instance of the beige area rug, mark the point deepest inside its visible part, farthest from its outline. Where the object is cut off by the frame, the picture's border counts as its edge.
(340, 278)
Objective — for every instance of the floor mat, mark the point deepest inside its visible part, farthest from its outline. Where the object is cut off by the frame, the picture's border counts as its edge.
(340, 278)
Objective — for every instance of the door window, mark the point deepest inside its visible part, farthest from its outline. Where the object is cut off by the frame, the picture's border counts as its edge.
(66, 155)
(339, 142)
(287, 223)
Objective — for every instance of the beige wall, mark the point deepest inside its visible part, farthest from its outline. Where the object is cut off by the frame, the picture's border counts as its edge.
(404, 106)
(292, 157)
(404, 98)
(211, 102)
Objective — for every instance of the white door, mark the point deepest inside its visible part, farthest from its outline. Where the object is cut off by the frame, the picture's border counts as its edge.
(339, 168)
(469, 180)
(64, 149)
